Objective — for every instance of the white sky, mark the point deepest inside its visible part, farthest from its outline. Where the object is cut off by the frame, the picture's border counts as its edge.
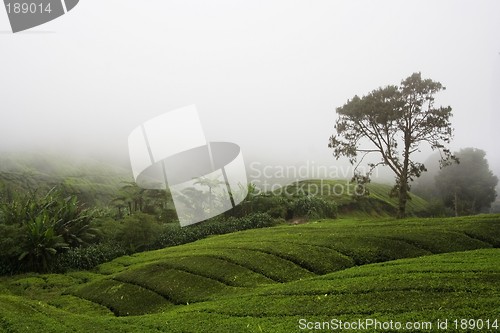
(267, 75)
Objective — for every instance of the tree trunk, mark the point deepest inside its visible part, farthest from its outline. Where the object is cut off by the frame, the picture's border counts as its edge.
(403, 178)
(403, 198)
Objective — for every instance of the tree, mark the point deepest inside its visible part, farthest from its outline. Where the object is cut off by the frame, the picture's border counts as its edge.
(468, 187)
(135, 199)
(120, 203)
(211, 183)
(132, 195)
(393, 122)
(157, 202)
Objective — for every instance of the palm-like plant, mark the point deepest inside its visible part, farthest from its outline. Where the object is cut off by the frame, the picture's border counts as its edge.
(51, 223)
(194, 199)
(135, 199)
(42, 243)
(73, 223)
(133, 195)
(156, 200)
(120, 203)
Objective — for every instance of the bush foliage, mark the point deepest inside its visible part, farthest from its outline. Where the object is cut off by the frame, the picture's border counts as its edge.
(53, 232)
(37, 228)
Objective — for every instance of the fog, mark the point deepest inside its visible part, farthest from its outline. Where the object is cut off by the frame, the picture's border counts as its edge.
(266, 75)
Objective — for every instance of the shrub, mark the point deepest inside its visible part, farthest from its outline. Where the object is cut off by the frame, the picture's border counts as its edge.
(436, 208)
(285, 206)
(8, 267)
(175, 235)
(313, 207)
(42, 227)
(11, 238)
(138, 231)
(275, 205)
(81, 258)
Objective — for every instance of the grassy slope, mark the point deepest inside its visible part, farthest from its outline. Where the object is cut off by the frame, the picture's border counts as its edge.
(92, 181)
(377, 203)
(267, 279)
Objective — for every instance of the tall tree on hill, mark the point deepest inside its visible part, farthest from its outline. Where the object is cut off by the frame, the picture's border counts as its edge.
(393, 122)
(468, 187)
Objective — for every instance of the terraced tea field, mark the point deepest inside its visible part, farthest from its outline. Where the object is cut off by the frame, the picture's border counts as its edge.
(268, 280)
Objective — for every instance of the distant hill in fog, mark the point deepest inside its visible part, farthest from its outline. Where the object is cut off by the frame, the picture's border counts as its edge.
(91, 180)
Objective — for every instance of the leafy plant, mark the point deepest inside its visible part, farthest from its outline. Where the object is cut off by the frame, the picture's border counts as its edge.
(313, 207)
(41, 243)
(87, 257)
(46, 226)
(138, 231)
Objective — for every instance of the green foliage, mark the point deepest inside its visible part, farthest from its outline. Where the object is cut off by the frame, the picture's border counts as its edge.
(94, 183)
(286, 205)
(495, 207)
(87, 257)
(11, 239)
(122, 298)
(63, 214)
(213, 267)
(341, 193)
(277, 206)
(178, 286)
(436, 208)
(131, 199)
(260, 279)
(73, 222)
(402, 287)
(138, 231)
(11, 246)
(43, 226)
(313, 207)
(42, 243)
(375, 123)
(175, 235)
(468, 187)
(217, 269)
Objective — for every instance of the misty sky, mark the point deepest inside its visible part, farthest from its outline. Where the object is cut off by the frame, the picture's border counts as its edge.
(267, 75)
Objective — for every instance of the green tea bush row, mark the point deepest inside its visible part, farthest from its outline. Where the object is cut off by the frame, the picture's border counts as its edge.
(88, 257)
(287, 207)
(175, 235)
(82, 258)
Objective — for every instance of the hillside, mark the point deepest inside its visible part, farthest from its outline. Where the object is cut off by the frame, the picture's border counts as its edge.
(378, 202)
(94, 182)
(266, 280)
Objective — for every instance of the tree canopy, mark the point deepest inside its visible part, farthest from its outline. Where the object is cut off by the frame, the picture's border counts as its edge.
(394, 122)
(468, 187)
